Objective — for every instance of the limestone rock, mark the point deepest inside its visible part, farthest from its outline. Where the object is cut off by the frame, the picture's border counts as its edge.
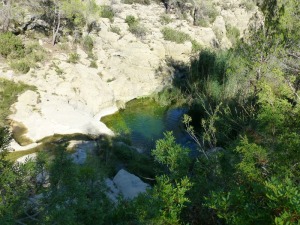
(81, 149)
(79, 157)
(43, 179)
(26, 158)
(71, 98)
(113, 192)
(84, 145)
(219, 25)
(129, 185)
(126, 184)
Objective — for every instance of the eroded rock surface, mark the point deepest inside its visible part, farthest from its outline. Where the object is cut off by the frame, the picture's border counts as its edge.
(126, 184)
(71, 98)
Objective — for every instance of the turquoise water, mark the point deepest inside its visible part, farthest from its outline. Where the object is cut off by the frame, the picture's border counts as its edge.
(145, 121)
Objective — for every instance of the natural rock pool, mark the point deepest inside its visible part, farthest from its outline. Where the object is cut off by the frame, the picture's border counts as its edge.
(145, 121)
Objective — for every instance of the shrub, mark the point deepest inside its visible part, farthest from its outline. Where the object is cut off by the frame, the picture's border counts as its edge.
(142, 2)
(58, 70)
(206, 14)
(196, 47)
(134, 26)
(165, 19)
(10, 43)
(107, 12)
(131, 20)
(248, 4)
(233, 33)
(21, 66)
(93, 64)
(175, 35)
(115, 29)
(138, 30)
(34, 53)
(87, 44)
(9, 94)
(73, 58)
(202, 23)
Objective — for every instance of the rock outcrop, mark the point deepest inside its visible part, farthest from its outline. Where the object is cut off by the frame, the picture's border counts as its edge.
(27, 158)
(126, 184)
(71, 98)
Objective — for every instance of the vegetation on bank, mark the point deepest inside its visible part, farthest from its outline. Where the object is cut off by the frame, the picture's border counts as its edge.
(9, 92)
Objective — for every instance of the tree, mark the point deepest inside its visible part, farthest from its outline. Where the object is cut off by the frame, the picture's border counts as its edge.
(15, 184)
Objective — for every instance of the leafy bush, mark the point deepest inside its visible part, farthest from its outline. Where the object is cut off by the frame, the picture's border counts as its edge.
(115, 29)
(138, 30)
(206, 14)
(107, 12)
(248, 4)
(232, 33)
(10, 43)
(34, 53)
(175, 35)
(21, 66)
(165, 19)
(131, 20)
(134, 26)
(87, 43)
(9, 92)
(142, 2)
(196, 47)
(93, 64)
(73, 58)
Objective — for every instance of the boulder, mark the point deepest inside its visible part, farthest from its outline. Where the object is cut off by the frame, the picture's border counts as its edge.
(82, 145)
(43, 179)
(26, 158)
(129, 185)
(79, 157)
(113, 192)
(125, 184)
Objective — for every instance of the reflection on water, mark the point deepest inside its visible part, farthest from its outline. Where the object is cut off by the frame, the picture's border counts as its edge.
(145, 121)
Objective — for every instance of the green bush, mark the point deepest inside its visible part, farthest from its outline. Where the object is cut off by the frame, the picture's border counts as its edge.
(9, 92)
(207, 14)
(138, 30)
(73, 58)
(93, 64)
(11, 44)
(131, 20)
(134, 26)
(248, 4)
(87, 44)
(202, 23)
(34, 53)
(21, 66)
(232, 33)
(175, 35)
(115, 29)
(165, 19)
(196, 47)
(107, 12)
(142, 2)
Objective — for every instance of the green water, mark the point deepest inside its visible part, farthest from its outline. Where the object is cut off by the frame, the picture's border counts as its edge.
(145, 121)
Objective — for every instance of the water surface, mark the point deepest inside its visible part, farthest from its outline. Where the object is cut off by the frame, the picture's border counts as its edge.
(145, 121)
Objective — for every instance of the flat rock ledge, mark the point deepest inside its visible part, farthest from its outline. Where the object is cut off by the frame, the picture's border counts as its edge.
(125, 184)
(72, 98)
